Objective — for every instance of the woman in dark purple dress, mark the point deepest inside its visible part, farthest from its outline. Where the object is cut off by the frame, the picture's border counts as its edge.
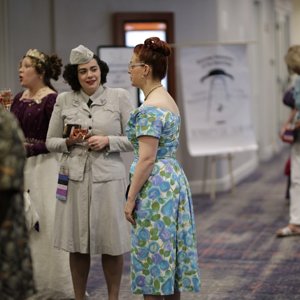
(33, 108)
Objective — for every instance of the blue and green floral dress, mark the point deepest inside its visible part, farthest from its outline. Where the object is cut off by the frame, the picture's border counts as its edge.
(164, 254)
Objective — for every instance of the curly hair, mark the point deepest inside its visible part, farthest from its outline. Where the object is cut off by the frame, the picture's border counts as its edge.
(292, 59)
(50, 67)
(154, 52)
(71, 76)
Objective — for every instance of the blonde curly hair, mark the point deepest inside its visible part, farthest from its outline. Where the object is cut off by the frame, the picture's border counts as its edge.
(292, 59)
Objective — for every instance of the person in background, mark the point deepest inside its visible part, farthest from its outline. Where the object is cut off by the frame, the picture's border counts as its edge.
(88, 126)
(292, 60)
(33, 108)
(164, 260)
(289, 101)
(16, 274)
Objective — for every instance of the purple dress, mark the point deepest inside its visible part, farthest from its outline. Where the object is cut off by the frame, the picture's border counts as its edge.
(34, 120)
(51, 266)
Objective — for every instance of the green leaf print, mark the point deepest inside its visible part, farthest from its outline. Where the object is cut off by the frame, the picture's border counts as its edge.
(167, 220)
(142, 243)
(155, 217)
(154, 231)
(146, 272)
(156, 284)
(155, 206)
(146, 223)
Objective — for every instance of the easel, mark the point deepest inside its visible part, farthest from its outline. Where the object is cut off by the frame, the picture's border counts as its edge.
(213, 168)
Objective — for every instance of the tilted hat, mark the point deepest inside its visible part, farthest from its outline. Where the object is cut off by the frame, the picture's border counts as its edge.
(81, 55)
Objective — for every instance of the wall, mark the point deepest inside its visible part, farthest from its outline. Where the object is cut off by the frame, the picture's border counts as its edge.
(234, 21)
(5, 58)
(59, 25)
(295, 22)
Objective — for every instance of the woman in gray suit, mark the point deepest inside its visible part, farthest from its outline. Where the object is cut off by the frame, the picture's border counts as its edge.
(87, 126)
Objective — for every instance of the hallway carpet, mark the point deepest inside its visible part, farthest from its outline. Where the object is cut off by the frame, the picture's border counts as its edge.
(239, 254)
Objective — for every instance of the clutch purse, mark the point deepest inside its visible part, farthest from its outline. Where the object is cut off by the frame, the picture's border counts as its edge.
(68, 129)
(127, 191)
(288, 136)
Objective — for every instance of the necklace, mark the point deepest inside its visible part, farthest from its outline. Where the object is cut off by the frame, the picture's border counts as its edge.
(154, 88)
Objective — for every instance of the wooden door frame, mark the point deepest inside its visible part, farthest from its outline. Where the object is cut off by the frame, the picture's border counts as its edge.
(119, 19)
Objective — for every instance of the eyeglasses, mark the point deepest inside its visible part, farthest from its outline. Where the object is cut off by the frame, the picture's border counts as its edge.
(133, 65)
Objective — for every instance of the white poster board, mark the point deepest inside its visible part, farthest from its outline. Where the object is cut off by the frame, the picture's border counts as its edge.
(117, 59)
(216, 99)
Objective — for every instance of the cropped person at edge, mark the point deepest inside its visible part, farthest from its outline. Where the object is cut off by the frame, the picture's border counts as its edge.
(16, 271)
(91, 220)
(292, 59)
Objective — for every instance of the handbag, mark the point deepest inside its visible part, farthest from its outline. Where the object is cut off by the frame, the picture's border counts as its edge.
(127, 191)
(288, 98)
(288, 136)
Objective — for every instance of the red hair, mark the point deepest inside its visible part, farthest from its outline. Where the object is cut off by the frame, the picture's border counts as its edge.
(154, 52)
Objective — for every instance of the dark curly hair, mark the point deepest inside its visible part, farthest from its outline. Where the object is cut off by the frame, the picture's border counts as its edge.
(71, 76)
(50, 68)
(154, 52)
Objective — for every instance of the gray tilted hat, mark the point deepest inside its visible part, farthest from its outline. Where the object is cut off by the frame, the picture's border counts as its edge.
(80, 55)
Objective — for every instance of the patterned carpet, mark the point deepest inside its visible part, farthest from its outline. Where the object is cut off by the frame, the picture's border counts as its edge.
(239, 255)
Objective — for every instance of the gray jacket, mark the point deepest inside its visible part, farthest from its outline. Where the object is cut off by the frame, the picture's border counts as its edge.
(108, 115)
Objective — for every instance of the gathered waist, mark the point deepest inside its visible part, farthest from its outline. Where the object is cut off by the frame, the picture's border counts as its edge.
(33, 141)
(159, 157)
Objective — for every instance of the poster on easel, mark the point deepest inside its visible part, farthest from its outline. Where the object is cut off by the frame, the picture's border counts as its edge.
(117, 59)
(216, 99)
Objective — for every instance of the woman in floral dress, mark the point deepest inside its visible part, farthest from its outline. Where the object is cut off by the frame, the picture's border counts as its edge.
(164, 260)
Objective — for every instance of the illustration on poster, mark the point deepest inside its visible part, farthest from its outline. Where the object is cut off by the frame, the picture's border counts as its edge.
(218, 96)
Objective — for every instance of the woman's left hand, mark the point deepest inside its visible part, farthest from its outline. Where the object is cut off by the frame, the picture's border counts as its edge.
(128, 210)
(98, 142)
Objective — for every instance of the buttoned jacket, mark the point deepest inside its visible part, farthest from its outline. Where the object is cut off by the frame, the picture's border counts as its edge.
(107, 116)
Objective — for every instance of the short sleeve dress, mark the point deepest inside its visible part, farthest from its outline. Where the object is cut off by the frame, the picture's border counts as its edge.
(164, 256)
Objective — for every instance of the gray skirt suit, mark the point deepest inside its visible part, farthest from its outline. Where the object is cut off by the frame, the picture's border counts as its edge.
(91, 219)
